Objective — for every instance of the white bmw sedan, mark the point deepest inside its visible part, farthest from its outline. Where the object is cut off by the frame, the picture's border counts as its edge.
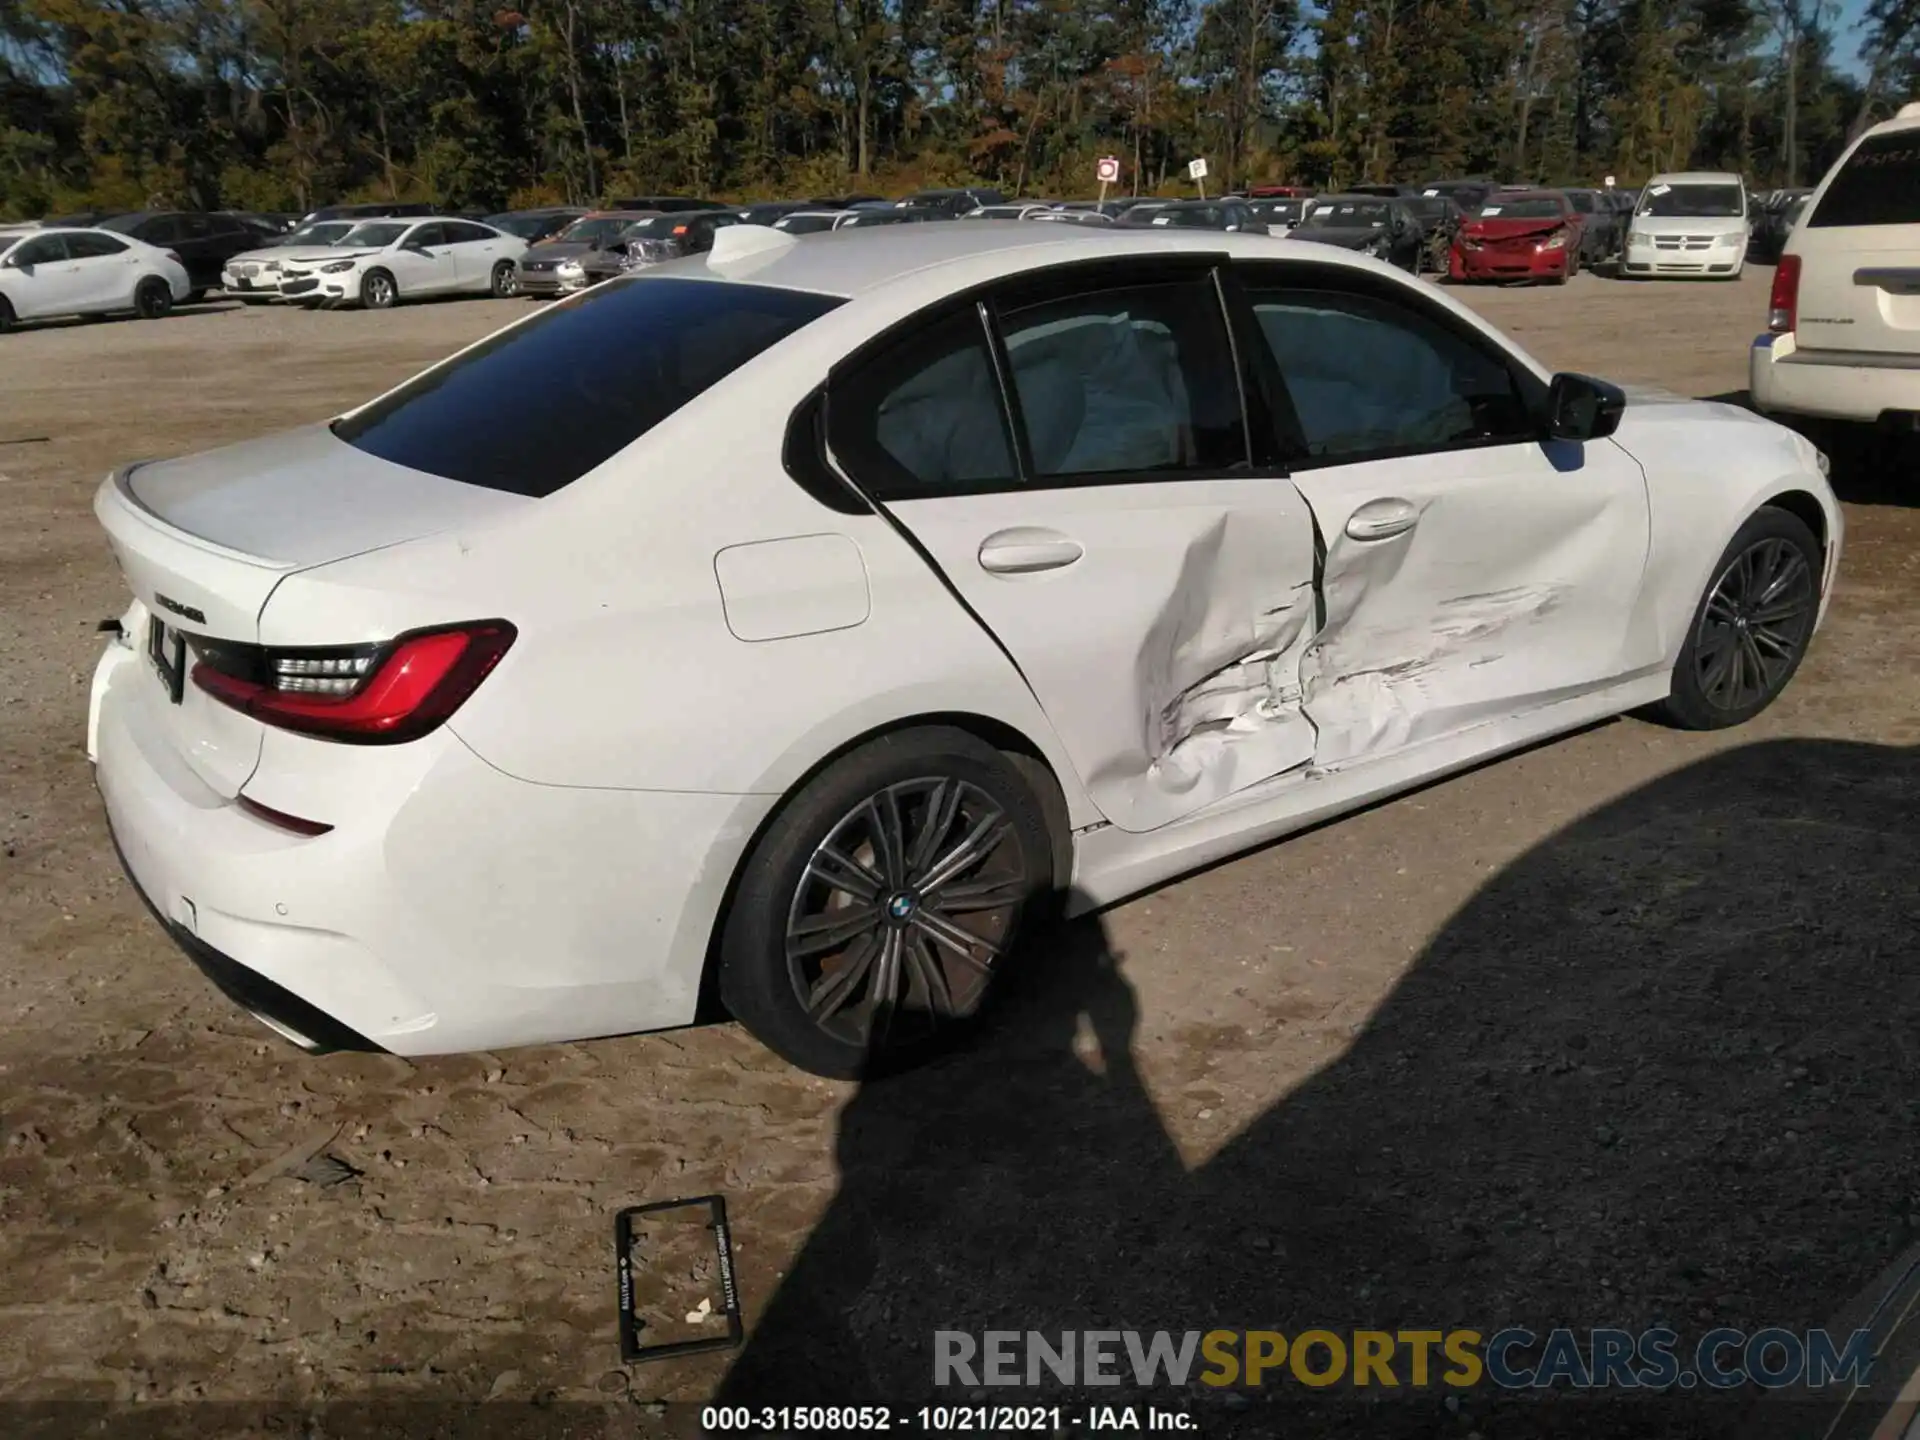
(379, 263)
(46, 273)
(890, 586)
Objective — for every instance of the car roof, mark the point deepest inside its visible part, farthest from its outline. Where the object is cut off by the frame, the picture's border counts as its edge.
(1505, 195)
(1697, 177)
(855, 261)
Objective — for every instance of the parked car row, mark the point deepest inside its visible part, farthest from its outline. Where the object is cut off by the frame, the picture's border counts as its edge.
(377, 254)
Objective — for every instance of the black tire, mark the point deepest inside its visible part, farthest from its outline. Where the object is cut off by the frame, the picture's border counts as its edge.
(378, 290)
(194, 297)
(506, 280)
(7, 318)
(153, 299)
(1750, 630)
(847, 987)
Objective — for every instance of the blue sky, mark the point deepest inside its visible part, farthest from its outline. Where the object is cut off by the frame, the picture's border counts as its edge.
(1848, 35)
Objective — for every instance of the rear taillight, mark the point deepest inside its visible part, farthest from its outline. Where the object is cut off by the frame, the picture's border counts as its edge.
(363, 694)
(1783, 310)
(175, 258)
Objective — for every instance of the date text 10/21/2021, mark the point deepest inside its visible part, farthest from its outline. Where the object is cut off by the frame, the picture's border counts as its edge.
(942, 1419)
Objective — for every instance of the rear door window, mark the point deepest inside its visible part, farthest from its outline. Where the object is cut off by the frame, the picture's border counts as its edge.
(1878, 185)
(535, 407)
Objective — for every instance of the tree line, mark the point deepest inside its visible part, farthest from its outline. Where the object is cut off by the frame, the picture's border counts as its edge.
(286, 104)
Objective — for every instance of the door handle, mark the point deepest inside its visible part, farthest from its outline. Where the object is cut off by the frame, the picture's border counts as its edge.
(1382, 519)
(1024, 550)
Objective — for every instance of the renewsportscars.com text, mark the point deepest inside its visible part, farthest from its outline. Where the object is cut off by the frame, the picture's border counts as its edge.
(1514, 1359)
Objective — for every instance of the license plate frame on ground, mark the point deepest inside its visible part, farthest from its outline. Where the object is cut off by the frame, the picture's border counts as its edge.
(630, 1232)
(167, 649)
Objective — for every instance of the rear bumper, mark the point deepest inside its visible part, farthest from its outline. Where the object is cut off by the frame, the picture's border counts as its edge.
(279, 1009)
(451, 908)
(1786, 380)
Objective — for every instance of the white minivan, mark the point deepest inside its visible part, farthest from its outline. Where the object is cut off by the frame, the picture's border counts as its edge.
(1843, 327)
(1691, 223)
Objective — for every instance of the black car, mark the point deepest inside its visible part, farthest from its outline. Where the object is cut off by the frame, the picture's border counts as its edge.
(1775, 224)
(1468, 194)
(765, 212)
(660, 204)
(1278, 214)
(1227, 214)
(370, 210)
(669, 236)
(954, 202)
(1439, 219)
(203, 242)
(533, 226)
(1601, 230)
(1372, 224)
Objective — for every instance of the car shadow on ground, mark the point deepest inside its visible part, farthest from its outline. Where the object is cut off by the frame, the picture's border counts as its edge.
(181, 311)
(1660, 1069)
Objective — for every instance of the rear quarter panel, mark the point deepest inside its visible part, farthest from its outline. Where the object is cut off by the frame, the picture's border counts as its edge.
(626, 674)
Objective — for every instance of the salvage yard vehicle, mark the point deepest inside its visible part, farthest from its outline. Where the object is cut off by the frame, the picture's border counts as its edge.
(1601, 230)
(203, 243)
(379, 263)
(1843, 326)
(1518, 235)
(253, 276)
(1693, 223)
(47, 273)
(809, 616)
(539, 265)
(1371, 224)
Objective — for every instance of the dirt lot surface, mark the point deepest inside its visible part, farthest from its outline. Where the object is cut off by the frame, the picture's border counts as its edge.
(1610, 1032)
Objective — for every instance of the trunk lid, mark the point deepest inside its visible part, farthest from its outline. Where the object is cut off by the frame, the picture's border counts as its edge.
(204, 542)
(1858, 241)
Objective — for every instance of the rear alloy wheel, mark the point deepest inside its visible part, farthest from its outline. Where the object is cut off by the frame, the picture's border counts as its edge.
(506, 280)
(153, 300)
(377, 290)
(1752, 626)
(875, 914)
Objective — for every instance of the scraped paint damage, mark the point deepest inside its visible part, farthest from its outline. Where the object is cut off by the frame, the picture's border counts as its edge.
(1217, 677)
(1369, 708)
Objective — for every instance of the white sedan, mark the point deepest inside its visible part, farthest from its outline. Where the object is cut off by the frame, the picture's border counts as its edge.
(46, 273)
(806, 615)
(253, 276)
(379, 263)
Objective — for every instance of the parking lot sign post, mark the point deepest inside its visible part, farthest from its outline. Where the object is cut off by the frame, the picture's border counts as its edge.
(1108, 171)
(1197, 172)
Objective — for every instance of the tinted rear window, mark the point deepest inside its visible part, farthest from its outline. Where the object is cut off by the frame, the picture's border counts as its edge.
(537, 406)
(1879, 184)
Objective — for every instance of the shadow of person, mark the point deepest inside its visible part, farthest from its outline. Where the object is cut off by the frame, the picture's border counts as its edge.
(1661, 1069)
(1006, 1179)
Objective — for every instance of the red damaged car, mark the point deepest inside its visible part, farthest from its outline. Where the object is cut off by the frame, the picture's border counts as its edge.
(1518, 235)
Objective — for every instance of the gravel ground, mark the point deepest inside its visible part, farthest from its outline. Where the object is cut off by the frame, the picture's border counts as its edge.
(1613, 1031)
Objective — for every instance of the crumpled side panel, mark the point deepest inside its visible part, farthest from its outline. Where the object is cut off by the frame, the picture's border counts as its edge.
(1216, 682)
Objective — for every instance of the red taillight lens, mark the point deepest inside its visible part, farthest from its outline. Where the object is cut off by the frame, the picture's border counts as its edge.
(1783, 310)
(369, 695)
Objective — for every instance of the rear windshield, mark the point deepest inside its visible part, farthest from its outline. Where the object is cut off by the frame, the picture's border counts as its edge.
(1879, 184)
(1698, 202)
(538, 405)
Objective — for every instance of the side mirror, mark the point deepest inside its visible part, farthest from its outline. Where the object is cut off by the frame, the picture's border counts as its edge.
(1580, 407)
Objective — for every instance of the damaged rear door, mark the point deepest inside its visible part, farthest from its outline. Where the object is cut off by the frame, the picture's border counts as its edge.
(1073, 455)
(1472, 571)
